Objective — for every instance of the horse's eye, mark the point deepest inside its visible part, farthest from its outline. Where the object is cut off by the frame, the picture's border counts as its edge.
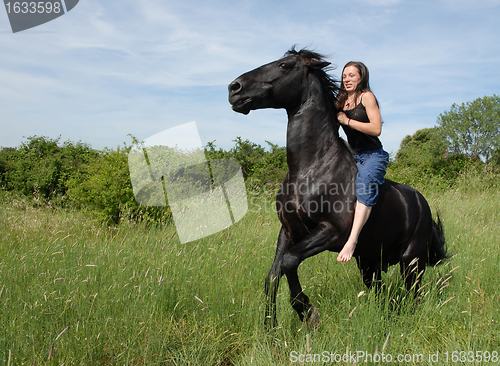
(283, 66)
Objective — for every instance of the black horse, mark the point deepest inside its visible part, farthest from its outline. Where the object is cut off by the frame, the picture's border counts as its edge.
(316, 201)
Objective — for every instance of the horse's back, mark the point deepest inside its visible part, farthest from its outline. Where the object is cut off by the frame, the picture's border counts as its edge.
(393, 222)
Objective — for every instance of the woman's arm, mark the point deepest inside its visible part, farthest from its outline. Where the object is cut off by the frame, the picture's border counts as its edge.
(374, 127)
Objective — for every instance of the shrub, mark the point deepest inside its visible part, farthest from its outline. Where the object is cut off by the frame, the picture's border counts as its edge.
(260, 167)
(41, 165)
(103, 186)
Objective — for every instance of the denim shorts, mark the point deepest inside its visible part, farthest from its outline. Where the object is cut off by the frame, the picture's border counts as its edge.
(371, 171)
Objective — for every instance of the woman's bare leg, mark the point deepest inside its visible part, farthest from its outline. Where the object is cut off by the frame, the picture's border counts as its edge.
(360, 217)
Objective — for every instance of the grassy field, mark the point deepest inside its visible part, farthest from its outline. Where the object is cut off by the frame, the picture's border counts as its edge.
(76, 293)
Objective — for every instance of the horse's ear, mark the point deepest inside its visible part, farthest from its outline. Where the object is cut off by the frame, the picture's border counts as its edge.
(318, 65)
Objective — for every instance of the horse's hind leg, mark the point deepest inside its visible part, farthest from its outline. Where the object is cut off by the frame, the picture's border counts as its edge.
(414, 259)
(371, 273)
(273, 279)
(412, 269)
(372, 278)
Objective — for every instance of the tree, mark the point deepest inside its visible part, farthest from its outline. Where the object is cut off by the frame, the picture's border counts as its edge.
(424, 149)
(422, 158)
(473, 128)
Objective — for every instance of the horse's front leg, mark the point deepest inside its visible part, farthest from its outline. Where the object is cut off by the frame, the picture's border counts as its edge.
(273, 279)
(316, 242)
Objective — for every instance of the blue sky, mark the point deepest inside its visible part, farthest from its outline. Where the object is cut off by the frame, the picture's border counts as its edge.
(111, 68)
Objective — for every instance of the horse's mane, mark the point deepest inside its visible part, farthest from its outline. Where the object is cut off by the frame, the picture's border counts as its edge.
(329, 83)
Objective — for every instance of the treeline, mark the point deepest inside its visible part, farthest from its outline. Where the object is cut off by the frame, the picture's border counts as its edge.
(424, 161)
(70, 174)
(73, 175)
(463, 150)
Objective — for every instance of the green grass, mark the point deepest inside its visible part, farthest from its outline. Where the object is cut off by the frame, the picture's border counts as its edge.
(73, 292)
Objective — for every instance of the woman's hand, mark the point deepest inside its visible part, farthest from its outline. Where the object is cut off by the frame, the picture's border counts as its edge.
(342, 118)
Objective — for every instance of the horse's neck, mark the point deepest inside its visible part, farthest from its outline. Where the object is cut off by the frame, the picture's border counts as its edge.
(312, 134)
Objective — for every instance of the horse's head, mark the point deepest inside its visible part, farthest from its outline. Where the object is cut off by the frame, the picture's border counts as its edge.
(279, 84)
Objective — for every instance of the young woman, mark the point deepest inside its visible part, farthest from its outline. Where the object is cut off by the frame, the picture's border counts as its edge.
(361, 121)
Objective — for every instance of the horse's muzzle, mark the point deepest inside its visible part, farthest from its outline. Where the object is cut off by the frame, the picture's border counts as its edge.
(239, 103)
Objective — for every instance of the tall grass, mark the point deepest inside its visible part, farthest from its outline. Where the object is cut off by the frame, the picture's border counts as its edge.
(73, 292)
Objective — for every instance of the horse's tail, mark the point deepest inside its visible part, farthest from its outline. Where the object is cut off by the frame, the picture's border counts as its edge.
(437, 249)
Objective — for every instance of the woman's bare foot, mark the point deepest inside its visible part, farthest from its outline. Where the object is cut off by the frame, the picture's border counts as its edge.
(360, 217)
(347, 251)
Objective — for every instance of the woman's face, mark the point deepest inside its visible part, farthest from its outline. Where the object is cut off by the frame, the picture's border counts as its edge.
(351, 78)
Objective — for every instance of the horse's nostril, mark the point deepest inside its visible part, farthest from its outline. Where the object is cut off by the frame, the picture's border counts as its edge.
(234, 87)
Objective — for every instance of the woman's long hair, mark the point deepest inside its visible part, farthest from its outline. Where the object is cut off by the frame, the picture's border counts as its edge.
(363, 86)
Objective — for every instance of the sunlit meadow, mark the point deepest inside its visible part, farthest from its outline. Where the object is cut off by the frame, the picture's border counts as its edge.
(74, 292)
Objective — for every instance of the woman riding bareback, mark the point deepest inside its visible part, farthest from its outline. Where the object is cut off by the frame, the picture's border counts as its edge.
(360, 118)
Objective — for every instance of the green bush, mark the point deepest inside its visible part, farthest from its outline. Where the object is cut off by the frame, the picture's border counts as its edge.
(40, 165)
(103, 186)
(75, 175)
(495, 160)
(260, 167)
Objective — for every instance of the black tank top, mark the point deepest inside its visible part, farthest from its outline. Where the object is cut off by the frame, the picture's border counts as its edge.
(360, 141)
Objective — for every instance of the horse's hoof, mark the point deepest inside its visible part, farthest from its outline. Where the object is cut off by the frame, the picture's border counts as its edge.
(313, 318)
